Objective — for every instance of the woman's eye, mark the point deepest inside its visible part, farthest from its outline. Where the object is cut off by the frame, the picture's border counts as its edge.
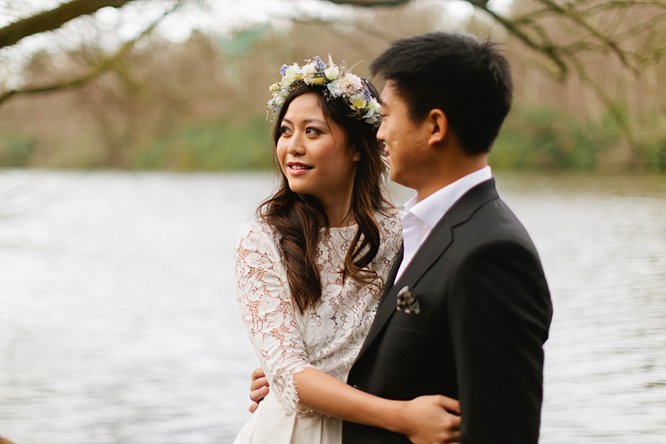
(312, 131)
(284, 130)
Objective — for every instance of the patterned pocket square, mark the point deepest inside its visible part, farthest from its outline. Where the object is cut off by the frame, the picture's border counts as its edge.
(408, 302)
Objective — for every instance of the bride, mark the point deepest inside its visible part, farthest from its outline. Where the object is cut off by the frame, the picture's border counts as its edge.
(310, 267)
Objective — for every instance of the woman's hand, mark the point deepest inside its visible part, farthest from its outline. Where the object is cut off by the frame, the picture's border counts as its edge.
(258, 389)
(432, 419)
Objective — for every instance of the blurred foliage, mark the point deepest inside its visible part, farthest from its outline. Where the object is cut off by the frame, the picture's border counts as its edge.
(16, 151)
(654, 154)
(216, 146)
(199, 104)
(542, 138)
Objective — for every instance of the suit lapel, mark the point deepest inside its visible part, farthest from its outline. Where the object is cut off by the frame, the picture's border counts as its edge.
(437, 242)
(392, 274)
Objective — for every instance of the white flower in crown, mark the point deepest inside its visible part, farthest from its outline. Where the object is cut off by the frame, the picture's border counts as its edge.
(374, 107)
(373, 115)
(291, 74)
(350, 85)
(332, 72)
(339, 83)
(358, 102)
(309, 72)
(335, 88)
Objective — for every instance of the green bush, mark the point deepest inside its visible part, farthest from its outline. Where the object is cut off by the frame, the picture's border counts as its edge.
(16, 151)
(539, 138)
(654, 154)
(215, 146)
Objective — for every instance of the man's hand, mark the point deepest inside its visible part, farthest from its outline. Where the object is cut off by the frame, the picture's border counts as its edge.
(258, 389)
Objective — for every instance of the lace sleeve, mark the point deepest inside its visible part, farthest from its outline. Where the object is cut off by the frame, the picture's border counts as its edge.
(263, 296)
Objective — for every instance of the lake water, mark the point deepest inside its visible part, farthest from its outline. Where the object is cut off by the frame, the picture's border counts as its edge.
(118, 321)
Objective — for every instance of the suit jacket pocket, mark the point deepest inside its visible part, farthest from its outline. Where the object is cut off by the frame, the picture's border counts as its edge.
(409, 322)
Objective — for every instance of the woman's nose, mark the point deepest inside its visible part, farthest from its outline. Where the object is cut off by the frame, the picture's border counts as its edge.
(296, 145)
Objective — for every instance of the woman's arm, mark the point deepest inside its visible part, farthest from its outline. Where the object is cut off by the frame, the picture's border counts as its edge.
(424, 419)
(269, 318)
(268, 313)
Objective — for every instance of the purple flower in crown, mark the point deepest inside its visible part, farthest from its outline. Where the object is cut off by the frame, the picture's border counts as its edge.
(283, 70)
(407, 301)
(366, 92)
(319, 63)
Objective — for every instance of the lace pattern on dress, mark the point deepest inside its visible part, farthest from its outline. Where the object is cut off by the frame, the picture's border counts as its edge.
(327, 336)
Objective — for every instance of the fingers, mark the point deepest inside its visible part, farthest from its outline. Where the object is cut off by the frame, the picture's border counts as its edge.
(449, 404)
(256, 384)
(257, 373)
(258, 389)
(452, 424)
(259, 394)
(454, 438)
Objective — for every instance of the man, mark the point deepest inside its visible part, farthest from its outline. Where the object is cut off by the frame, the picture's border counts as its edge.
(466, 309)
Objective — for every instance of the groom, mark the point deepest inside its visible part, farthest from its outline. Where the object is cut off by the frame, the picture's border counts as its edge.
(466, 309)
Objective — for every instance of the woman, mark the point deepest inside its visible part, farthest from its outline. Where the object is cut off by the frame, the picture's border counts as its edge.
(310, 269)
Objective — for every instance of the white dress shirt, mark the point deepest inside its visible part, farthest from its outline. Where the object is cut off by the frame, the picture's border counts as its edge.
(420, 217)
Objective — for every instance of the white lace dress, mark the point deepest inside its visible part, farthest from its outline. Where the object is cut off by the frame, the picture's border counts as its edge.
(327, 336)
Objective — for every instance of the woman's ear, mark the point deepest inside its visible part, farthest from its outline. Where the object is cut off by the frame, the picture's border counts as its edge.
(356, 156)
(438, 126)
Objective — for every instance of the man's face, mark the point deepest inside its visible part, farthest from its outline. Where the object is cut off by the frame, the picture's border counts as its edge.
(404, 140)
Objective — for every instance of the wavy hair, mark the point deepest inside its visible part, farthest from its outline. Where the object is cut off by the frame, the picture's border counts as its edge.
(299, 218)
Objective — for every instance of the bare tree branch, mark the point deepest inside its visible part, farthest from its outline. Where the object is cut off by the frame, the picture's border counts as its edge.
(105, 65)
(614, 110)
(532, 30)
(53, 19)
(622, 4)
(528, 29)
(568, 12)
(546, 48)
(369, 3)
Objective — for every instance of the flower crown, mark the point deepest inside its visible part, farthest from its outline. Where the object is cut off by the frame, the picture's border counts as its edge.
(339, 82)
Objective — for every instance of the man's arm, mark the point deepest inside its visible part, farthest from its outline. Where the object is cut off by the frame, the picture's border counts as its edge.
(500, 313)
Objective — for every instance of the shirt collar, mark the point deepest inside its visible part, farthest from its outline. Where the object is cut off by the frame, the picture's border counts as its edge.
(431, 209)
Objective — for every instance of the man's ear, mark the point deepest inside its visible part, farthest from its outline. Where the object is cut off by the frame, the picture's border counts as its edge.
(438, 126)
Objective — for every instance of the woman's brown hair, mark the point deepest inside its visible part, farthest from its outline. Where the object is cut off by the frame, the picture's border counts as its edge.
(298, 218)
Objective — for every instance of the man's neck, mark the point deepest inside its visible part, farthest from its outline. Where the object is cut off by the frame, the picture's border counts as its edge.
(449, 173)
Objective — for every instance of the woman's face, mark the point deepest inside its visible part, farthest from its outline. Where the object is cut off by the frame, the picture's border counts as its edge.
(313, 153)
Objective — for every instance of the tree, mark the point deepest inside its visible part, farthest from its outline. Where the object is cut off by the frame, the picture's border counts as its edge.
(627, 34)
(568, 38)
(528, 23)
(53, 19)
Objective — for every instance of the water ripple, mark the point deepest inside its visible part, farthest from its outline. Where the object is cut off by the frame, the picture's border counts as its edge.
(119, 322)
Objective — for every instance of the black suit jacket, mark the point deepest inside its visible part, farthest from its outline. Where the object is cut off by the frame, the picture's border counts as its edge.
(485, 311)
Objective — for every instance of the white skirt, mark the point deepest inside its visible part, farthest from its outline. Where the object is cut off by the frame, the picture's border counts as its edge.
(271, 424)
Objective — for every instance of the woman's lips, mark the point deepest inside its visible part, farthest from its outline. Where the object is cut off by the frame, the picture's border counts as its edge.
(297, 168)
